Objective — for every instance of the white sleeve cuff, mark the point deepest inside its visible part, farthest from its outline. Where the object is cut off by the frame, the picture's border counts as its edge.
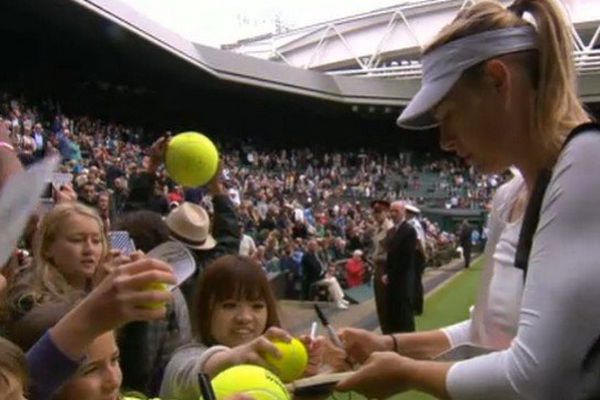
(458, 333)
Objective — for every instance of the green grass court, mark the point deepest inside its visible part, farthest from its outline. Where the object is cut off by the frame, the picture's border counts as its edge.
(447, 305)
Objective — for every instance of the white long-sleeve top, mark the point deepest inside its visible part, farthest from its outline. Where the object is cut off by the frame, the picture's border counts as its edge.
(559, 318)
(499, 301)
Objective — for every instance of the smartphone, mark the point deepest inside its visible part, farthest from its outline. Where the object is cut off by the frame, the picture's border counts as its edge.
(120, 240)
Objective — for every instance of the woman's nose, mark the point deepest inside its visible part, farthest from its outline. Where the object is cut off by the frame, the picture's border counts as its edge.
(244, 313)
(112, 377)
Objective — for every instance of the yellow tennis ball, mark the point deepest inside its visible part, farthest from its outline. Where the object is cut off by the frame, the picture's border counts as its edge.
(155, 286)
(252, 380)
(191, 159)
(293, 361)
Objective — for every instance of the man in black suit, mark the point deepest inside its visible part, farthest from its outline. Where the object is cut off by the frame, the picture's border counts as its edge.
(464, 234)
(401, 244)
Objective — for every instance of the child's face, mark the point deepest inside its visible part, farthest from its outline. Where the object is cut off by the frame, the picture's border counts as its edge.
(11, 387)
(99, 377)
(235, 322)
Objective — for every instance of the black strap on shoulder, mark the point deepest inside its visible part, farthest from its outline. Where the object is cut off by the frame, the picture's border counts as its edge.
(532, 213)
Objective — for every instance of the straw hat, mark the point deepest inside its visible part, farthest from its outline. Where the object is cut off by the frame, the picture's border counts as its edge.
(189, 224)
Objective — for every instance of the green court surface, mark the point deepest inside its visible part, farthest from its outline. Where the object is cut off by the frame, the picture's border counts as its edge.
(447, 305)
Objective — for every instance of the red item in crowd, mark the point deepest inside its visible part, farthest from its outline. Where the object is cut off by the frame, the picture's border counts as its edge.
(175, 196)
(355, 272)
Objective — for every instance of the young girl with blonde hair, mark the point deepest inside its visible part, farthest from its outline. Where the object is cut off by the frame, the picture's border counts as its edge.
(68, 247)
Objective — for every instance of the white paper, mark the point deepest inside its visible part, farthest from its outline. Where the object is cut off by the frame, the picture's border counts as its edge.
(464, 351)
(178, 257)
(19, 198)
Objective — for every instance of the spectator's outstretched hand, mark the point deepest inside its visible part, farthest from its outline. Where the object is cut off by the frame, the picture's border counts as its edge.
(64, 194)
(315, 349)
(215, 186)
(157, 153)
(120, 298)
(114, 259)
(252, 352)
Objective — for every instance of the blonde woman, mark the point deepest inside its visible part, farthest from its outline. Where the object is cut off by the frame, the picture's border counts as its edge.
(68, 247)
(502, 90)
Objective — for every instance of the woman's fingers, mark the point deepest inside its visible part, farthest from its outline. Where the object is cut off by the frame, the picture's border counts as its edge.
(144, 264)
(142, 280)
(264, 346)
(274, 333)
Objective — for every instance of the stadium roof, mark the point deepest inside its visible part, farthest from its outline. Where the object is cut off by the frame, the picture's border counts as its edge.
(249, 70)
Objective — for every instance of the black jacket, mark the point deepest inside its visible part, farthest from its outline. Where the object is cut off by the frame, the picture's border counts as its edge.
(401, 245)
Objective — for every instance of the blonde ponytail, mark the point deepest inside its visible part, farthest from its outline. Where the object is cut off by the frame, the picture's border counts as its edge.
(557, 108)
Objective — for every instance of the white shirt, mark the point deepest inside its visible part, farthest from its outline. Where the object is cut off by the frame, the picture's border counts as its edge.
(419, 228)
(247, 246)
(234, 196)
(559, 318)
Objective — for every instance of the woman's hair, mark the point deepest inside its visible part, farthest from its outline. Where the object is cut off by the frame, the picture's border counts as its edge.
(146, 228)
(42, 279)
(13, 365)
(26, 331)
(557, 108)
(230, 277)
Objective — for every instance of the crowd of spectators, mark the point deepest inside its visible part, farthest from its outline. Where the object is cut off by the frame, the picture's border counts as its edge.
(283, 197)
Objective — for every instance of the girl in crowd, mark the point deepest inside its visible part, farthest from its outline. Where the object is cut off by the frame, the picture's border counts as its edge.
(72, 353)
(502, 90)
(68, 247)
(13, 370)
(235, 321)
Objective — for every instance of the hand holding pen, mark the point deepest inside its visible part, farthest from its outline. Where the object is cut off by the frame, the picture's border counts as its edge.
(315, 345)
(325, 322)
(345, 362)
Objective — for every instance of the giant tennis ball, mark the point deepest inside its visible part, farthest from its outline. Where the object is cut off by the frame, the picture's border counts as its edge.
(293, 361)
(155, 286)
(191, 159)
(252, 380)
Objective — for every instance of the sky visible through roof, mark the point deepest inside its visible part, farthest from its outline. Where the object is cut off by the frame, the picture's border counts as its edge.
(219, 22)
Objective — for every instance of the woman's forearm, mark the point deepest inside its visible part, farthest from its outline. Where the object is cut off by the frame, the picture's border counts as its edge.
(430, 377)
(420, 345)
(218, 362)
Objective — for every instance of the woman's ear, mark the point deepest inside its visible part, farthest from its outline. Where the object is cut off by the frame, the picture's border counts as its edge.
(498, 76)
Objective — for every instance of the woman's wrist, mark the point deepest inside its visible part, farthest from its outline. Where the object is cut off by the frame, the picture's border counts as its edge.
(74, 333)
(219, 361)
(428, 377)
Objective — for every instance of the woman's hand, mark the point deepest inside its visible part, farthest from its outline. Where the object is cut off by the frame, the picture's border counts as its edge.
(157, 154)
(215, 186)
(64, 194)
(315, 349)
(252, 352)
(120, 298)
(336, 358)
(359, 343)
(383, 375)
